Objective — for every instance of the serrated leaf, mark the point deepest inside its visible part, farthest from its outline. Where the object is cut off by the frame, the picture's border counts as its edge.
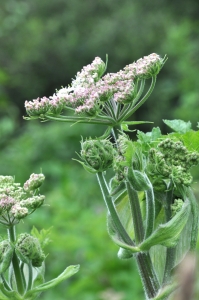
(190, 139)
(149, 137)
(168, 234)
(178, 125)
(42, 235)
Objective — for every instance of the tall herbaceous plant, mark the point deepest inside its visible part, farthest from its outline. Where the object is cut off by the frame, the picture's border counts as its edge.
(152, 214)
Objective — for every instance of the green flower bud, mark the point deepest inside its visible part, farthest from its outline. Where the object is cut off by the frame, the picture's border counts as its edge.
(4, 180)
(176, 206)
(97, 155)
(33, 202)
(28, 249)
(6, 253)
(34, 182)
(138, 180)
(124, 253)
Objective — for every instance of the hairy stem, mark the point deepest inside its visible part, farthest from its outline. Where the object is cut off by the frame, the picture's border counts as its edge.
(136, 213)
(150, 212)
(112, 210)
(15, 262)
(170, 252)
(147, 274)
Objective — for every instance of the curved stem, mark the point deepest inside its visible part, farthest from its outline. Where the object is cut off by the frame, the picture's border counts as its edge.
(170, 252)
(136, 214)
(141, 101)
(112, 210)
(101, 120)
(134, 101)
(150, 212)
(15, 262)
(30, 277)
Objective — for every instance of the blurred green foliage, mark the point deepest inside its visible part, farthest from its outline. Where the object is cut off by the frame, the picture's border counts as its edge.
(43, 45)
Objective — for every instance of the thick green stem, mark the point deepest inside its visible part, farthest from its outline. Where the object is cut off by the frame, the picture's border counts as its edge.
(147, 274)
(150, 212)
(112, 210)
(15, 262)
(136, 213)
(170, 252)
(30, 277)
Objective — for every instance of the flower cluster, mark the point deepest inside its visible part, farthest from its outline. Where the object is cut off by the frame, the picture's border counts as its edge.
(89, 90)
(146, 67)
(171, 160)
(17, 202)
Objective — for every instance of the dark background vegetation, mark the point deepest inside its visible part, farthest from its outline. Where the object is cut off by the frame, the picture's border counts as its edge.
(42, 46)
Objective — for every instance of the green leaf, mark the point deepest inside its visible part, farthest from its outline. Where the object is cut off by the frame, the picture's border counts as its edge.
(168, 234)
(125, 127)
(166, 291)
(158, 258)
(68, 272)
(87, 168)
(117, 238)
(42, 235)
(190, 139)
(149, 137)
(11, 295)
(178, 125)
(124, 124)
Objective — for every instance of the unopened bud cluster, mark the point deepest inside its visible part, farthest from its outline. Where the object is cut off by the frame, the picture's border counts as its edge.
(16, 202)
(29, 249)
(97, 154)
(171, 160)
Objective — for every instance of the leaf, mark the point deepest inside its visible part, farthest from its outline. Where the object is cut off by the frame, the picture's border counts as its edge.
(168, 234)
(190, 139)
(125, 127)
(68, 272)
(166, 291)
(86, 167)
(42, 235)
(149, 137)
(178, 125)
(124, 124)
(158, 258)
(117, 238)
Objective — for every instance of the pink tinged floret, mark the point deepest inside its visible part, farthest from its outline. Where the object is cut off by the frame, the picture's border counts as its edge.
(6, 202)
(37, 106)
(34, 182)
(18, 212)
